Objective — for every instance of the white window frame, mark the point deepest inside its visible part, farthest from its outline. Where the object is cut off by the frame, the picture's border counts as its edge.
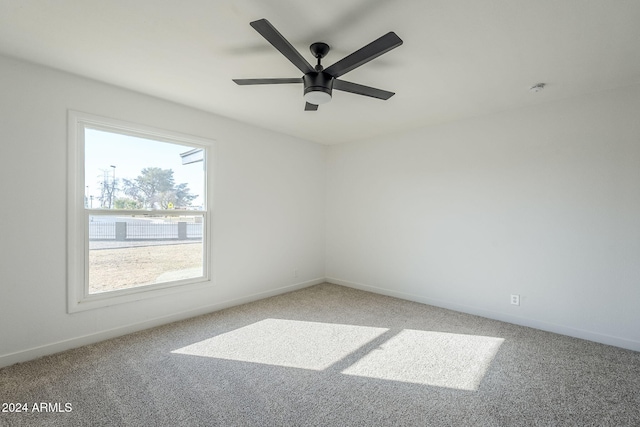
(78, 296)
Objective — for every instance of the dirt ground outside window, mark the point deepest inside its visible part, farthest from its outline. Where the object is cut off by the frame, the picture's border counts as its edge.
(121, 268)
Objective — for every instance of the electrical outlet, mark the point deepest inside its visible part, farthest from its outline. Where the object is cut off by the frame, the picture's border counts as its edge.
(295, 273)
(515, 299)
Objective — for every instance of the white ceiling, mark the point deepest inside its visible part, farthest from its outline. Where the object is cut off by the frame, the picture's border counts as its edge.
(460, 58)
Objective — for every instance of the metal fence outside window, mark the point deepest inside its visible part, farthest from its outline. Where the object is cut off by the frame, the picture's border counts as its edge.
(144, 231)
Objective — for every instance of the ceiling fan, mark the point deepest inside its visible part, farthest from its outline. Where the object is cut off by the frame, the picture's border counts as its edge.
(319, 81)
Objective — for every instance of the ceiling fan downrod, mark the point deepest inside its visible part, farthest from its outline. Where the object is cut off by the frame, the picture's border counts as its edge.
(319, 51)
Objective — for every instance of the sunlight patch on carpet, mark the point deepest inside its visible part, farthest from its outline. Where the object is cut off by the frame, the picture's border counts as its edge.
(430, 358)
(290, 343)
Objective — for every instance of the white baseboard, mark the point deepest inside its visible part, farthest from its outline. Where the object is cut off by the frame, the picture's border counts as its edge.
(56, 347)
(36, 352)
(504, 317)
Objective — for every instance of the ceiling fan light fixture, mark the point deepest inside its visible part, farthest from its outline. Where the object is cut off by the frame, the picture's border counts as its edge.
(317, 87)
(317, 97)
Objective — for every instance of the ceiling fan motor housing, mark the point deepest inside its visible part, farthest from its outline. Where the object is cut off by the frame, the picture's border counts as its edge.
(318, 82)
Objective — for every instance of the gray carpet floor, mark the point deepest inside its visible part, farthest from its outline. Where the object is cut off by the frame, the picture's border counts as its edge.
(331, 356)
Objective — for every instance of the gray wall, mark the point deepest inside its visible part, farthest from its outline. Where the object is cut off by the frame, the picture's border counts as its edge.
(268, 213)
(543, 202)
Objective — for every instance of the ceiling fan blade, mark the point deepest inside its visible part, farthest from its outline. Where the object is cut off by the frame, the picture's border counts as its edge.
(278, 41)
(361, 56)
(310, 107)
(243, 82)
(362, 90)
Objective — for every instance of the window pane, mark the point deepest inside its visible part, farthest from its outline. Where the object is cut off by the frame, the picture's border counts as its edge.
(132, 251)
(126, 172)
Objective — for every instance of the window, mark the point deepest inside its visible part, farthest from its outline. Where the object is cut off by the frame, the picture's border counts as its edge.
(138, 215)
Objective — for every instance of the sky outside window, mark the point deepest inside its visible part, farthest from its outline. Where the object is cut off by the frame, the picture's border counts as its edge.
(130, 155)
